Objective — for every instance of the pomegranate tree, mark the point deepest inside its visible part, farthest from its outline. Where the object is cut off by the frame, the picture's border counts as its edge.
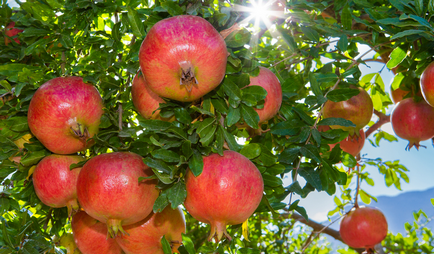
(64, 113)
(183, 58)
(268, 80)
(108, 189)
(427, 84)
(363, 227)
(145, 101)
(90, 235)
(145, 236)
(55, 184)
(11, 32)
(358, 109)
(413, 121)
(226, 193)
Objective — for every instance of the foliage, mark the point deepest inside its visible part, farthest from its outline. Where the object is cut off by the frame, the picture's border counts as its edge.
(313, 50)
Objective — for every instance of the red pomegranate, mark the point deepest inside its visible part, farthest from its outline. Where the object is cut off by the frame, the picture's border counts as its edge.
(183, 58)
(398, 94)
(90, 235)
(145, 101)
(363, 227)
(108, 189)
(358, 109)
(226, 193)
(55, 184)
(145, 236)
(64, 113)
(413, 121)
(427, 84)
(352, 145)
(268, 80)
(11, 32)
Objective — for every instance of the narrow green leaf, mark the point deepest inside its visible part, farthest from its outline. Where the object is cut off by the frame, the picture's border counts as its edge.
(182, 115)
(315, 86)
(177, 194)
(230, 139)
(407, 33)
(346, 17)
(289, 155)
(310, 151)
(258, 92)
(309, 120)
(196, 163)
(310, 33)
(157, 164)
(336, 121)
(238, 38)
(188, 244)
(234, 115)
(165, 155)
(342, 94)
(232, 90)
(166, 245)
(155, 125)
(135, 23)
(396, 57)
(209, 136)
(160, 203)
(312, 176)
(343, 43)
(250, 116)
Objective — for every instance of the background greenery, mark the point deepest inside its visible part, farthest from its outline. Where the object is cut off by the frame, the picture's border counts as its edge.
(313, 50)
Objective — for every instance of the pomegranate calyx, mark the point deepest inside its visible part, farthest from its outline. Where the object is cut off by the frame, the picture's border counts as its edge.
(73, 207)
(415, 144)
(218, 231)
(188, 79)
(80, 131)
(113, 227)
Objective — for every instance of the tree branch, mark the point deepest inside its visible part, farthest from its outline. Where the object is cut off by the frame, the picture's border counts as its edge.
(383, 118)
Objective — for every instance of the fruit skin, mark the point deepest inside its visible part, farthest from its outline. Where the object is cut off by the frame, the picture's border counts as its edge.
(413, 121)
(67, 241)
(268, 80)
(358, 109)
(145, 100)
(55, 184)
(398, 94)
(63, 113)
(90, 235)
(11, 32)
(108, 189)
(363, 227)
(227, 192)
(427, 84)
(145, 236)
(179, 44)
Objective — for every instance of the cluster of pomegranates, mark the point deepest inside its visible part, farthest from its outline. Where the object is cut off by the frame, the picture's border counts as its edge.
(413, 118)
(111, 210)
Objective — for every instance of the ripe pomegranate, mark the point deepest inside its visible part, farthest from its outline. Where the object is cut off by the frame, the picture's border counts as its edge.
(146, 101)
(268, 80)
(351, 145)
(427, 84)
(358, 109)
(64, 113)
(11, 32)
(145, 236)
(226, 193)
(183, 58)
(90, 235)
(108, 189)
(55, 184)
(363, 227)
(413, 121)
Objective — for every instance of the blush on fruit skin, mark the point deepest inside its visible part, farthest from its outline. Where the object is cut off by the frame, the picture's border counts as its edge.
(427, 84)
(188, 44)
(108, 189)
(11, 32)
(358, 109)
(363, 227)
(145, 236)
(145, 101)
(64, 113)
(227, 192)
(55, 184)
(90, 235)
(268, 80)
(413, 121)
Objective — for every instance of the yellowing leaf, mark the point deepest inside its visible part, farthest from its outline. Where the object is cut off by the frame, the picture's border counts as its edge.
(245, 229)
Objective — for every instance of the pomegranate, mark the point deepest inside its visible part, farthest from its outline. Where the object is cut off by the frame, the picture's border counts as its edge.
(363, 227)
(427, 84)
(90, 235)
(145, 236)
(145, 101)
(268, 80)
(413, 121)
(358, 109)
(108, 189)
(398, 94)
(55, 184)
(183, 58)
(226, 193)
(351, 145)
(11, 32)
(64, 113)
(68, 242)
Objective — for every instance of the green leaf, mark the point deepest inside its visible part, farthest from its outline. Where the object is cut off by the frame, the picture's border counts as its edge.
(157, 164)
(342, 94)
(182, 115)
(155, 125)
(407, 33)
(310, 33)
(343, 43)
(258, 92)
(234, 115)
(232, 90)
(173, 8)
(188, 244)
(348, 160)
(220, 106)
(230, 139)
(271, 181)
(396, 57)
(336, 121)
(314, 84)
(238, 38)
(250, 116)
(160, 203)
(289, 155)
(135, 23)
(209, 136)
(196, 163)
(309, 120)
(177, 194)
(346, 17)
(165, 155)
(33, 158)
(251, 151)
(205, 126)
(248, 251)
(167, 249)
(312, 176)
(310, 151)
